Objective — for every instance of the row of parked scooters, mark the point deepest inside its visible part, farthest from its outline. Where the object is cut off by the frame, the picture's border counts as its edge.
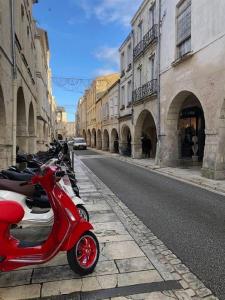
(45, 193)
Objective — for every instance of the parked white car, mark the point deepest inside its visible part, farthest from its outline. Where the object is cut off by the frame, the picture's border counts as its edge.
(79, 143)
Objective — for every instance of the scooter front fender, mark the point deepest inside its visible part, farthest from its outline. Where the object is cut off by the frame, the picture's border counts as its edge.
(82, 227)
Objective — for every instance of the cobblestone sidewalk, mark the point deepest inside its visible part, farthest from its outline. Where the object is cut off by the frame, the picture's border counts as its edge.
(133, 264)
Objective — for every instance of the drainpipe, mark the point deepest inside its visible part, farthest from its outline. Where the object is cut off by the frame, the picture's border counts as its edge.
(158, 158)
(14, 83)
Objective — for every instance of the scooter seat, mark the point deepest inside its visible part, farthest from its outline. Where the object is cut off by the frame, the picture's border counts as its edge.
(15, 186)
(11, 212)
(17, 176)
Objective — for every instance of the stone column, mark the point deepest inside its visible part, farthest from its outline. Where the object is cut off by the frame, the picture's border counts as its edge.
(32, 145)
(168, 152)
(137, 149)
(213, 162)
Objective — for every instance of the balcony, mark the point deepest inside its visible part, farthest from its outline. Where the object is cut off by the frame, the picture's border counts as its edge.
(148, 39)
(122, 74)
(148, 89)
(129, 67)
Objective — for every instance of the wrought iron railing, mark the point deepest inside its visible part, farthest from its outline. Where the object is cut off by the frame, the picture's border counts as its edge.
(148, 38)
(148, 89)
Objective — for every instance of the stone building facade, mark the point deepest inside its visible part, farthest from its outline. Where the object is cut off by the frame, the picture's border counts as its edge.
(125, 96)
(177, 74)
(145, 58)
(61, 123)
(109, 118)
(70, 130)
(92, 95)
(192, 88)
(20, 79)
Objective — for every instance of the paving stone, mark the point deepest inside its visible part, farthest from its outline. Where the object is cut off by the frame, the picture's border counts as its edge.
(189, 277)
(61, 287)
(110, 228)
(115, 238)
(20, 292)
(53, 274)
(203, 292)
(108, 281)
(182, 295)
(100, 217)
(138, 277)
(105, 267)
(181, 269)
(121, 250)
(90, 284)
(197, 284)
(15, 278)
(134, 264)
(160, 267)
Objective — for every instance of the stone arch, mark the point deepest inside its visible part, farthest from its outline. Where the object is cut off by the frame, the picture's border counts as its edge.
(84, 135)
(99, 139)
(114, 145)
(105, 146)
(185, 119)
(89, 138)
(21, 122)
(31, 130)
(93, 138)
(145, 136)
(126, 140)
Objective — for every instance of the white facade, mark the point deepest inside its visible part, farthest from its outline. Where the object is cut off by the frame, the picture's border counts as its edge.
(195, 79)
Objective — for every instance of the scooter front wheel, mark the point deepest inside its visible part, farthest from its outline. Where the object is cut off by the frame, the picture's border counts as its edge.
(84, 255)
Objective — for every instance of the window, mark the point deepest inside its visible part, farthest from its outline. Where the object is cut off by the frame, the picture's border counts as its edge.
(152, 11)
(129, 55)
(152, 68)
(122, 61)
(184, 28)
(122, 97)
(22, 11)
(140, 32)
(139, 76)
(129, 92)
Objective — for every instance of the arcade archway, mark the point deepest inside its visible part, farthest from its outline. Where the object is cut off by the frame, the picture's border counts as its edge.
(99, 139)
(114, 147)
(126, 140)
(145, 136)
(186, 129)
(105, 140)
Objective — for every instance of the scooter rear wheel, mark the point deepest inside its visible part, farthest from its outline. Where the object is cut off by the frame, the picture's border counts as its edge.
(83, 212)
(83, 257)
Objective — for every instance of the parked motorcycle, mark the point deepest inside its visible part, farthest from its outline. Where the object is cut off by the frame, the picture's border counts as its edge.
(70, 232)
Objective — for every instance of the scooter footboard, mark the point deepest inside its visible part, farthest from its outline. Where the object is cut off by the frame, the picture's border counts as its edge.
(78, 231)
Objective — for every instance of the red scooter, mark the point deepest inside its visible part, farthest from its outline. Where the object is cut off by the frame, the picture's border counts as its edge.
(69, 233)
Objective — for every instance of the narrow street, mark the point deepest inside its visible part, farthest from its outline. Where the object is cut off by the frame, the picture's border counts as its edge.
(188, 219)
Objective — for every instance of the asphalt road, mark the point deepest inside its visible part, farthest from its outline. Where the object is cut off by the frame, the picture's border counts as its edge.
(188, 219)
